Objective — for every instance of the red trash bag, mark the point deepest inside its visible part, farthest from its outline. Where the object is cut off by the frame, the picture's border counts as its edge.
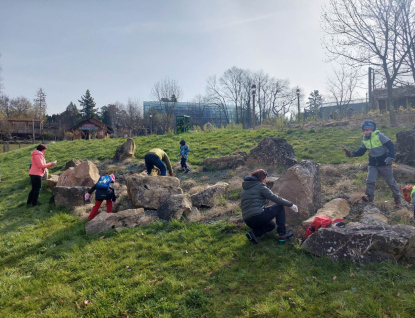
(322, 221)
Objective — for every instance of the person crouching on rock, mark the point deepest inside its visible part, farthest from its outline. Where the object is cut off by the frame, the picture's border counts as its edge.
(156, 157)
(104, 192)
(254, 212)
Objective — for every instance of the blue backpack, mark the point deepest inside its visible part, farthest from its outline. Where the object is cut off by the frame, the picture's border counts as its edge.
(104, 182)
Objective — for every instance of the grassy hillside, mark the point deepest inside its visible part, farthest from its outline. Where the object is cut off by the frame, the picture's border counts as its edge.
(49, 266)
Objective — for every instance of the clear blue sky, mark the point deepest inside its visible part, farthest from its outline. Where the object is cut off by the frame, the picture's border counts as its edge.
(119, 49)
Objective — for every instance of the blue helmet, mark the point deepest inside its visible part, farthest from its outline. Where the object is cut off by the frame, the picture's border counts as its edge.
(369, 123)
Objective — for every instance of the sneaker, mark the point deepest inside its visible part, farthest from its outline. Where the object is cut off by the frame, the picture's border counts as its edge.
(186, 170)
(181, 169)
(251, 236)
(289, 234)
(398, 203)
(365, 198)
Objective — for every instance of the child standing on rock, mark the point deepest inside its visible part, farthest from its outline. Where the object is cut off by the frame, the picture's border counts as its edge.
(104, 192)
(184, 151)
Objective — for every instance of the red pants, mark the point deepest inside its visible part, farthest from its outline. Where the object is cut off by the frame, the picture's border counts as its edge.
(96, 207)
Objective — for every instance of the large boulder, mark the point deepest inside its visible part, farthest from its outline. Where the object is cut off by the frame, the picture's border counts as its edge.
(404, 173)
(85, 174)
(227, 162)
(301, 185)
(335, 209)
(206, 197)
(73, 163)
(272, 151)
(125, 151)
(405, 147)
(363, 243)
(70, 196)
(372, 215)
(52, 181)
(175, 206)
(150, 192)
(123, 219)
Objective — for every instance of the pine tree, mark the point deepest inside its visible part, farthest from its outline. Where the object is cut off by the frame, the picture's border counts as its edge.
(87, 105)
(39, 104)
(315, 101)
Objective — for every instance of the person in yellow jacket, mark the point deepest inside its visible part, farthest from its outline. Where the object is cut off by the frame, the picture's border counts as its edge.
(381, 155)
(156, 157)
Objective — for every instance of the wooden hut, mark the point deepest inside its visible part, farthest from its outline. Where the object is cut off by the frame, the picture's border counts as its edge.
(91, 128)
(404, 96)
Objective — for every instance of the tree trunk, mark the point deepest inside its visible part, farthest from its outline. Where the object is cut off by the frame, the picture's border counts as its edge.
(392, 117)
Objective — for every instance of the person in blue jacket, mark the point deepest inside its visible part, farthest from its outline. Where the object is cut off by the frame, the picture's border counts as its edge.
(381, 155)
(184, 151)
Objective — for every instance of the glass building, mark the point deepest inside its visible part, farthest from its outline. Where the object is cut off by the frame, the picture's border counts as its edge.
(199, 113)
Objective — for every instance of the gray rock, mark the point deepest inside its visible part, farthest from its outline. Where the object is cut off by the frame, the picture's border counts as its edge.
(52, 181)
(301, 185)
(73, 163)
(404, 173)
(272, 151)
(405, 147)
(227, 162)
(71, 196)
(123, 219)
(194, 215)
(125, 151)
(206, 197)
(150, 192)
(175, 206)
(86, 174)
(363, 243)
(372, 215)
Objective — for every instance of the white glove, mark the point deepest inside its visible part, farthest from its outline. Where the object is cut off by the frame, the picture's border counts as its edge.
(295, 208)
(87, 195)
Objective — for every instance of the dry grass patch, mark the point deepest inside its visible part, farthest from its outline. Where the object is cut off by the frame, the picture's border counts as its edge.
(188, 184)
(355, 198)
(195, 190)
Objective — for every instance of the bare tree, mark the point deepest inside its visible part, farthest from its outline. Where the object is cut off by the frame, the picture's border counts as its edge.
(261, 80)
(408, 28)
(279, 96)
(216, 96)
(367, 32)
(5, 107)
(232, 82)
(341, 86)
(1, 80)
(134, 117)
(21, 107)
(167, 92)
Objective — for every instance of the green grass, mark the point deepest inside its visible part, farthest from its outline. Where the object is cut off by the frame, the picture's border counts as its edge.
(49, 266)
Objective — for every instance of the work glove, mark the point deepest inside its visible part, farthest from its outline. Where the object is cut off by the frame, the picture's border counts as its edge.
(348, 153)
(388, 161)
(87, 195)
(295, 208)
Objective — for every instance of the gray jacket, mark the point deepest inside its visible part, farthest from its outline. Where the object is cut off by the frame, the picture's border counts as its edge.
(254, 197)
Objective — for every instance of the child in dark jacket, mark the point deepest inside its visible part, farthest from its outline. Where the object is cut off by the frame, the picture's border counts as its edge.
(103, 193)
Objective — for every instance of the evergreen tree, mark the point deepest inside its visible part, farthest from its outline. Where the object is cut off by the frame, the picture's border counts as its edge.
(315, 101)
(39, 104)
(87, 105)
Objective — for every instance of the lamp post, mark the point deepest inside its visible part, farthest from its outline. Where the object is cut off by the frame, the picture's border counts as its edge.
(253, 91)
(298, 103)
(151, 124)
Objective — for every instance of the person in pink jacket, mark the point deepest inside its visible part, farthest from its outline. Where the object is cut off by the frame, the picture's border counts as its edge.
(36, 172)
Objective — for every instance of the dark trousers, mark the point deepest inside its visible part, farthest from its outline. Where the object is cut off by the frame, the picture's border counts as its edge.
(36, 186)
(154, 160)
(263, 223)
(183, 163)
